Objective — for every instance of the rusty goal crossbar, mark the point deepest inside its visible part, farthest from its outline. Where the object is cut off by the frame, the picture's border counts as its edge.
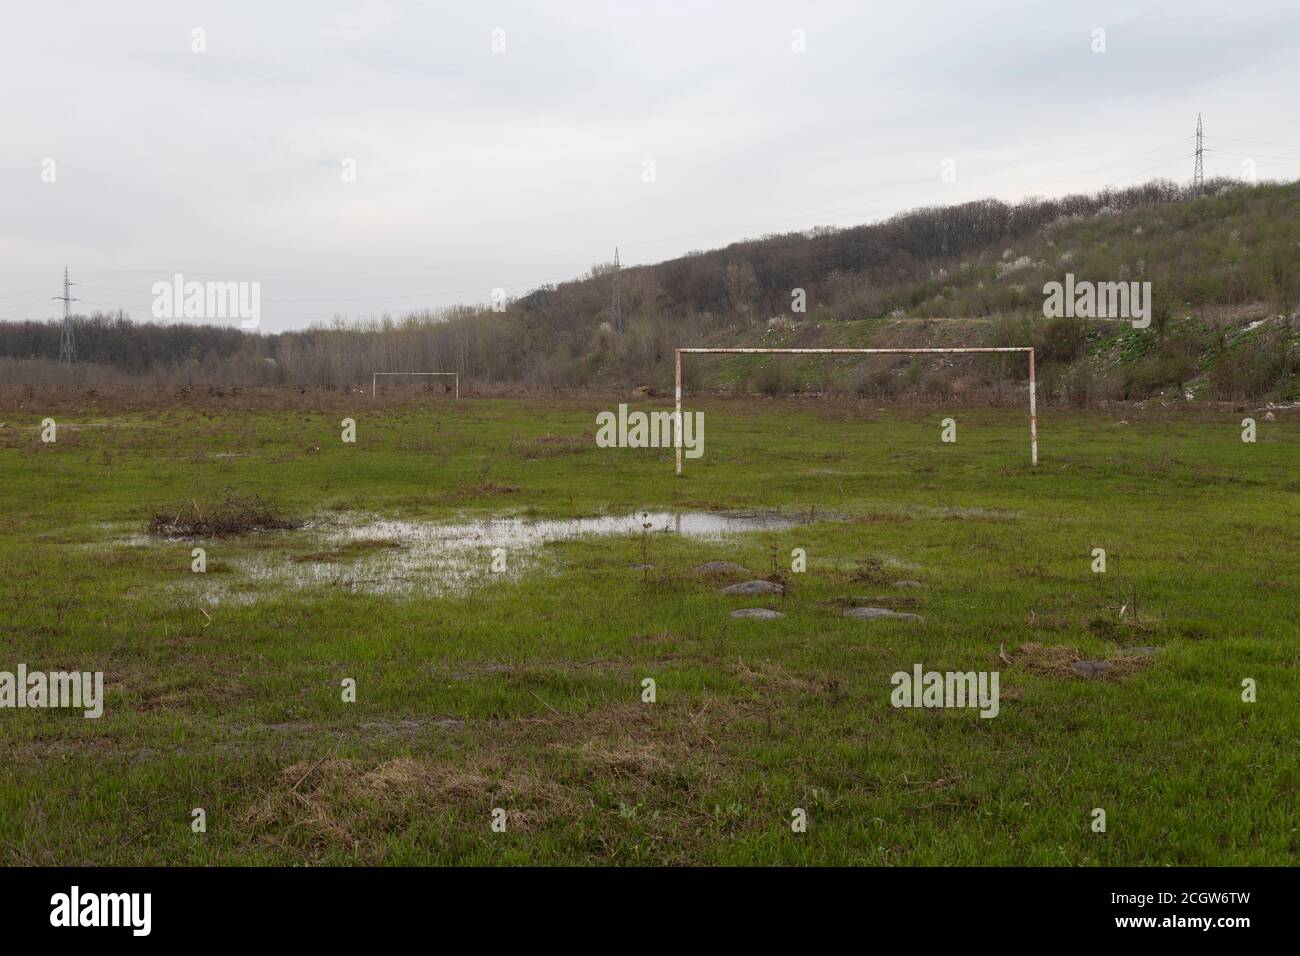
(374, 380)
(1033, 398)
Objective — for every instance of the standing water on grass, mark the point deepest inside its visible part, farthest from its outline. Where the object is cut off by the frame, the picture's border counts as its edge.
(405, 558)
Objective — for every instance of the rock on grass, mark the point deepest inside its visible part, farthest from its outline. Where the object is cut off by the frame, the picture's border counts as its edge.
(719, 569)
(754, 587)
(1091, 668)
(1065, 661)
(880, 614)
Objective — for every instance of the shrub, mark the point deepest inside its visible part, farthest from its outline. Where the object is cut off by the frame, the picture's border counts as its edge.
(1255, 367)
(774, 378)
(230, 514)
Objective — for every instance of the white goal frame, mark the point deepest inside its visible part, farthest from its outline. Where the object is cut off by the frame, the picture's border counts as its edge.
(1033, 388)
(374, 379)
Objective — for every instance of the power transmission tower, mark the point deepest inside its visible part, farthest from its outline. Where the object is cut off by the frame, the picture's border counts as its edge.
(1198, 176)
(616, 310)
(67, 344)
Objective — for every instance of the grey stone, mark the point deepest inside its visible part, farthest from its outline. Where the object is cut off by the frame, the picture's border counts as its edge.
(757, 613)
(880, 614)
(908, 584)
(754, 587)
(720, 567)
(1091, 668)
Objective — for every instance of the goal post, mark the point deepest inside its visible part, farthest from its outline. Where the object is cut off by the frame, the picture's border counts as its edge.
(374, 379)
(1033, 388)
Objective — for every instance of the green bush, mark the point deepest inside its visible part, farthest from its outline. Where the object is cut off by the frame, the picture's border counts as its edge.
(774, 378)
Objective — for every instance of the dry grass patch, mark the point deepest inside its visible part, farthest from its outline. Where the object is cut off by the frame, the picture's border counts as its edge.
(545, 771)
(1060, 660)
(337, 802)
(770, 676)
(551, 446)
(230, 514)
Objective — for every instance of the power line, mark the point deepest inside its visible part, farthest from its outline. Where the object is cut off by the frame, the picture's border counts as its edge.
(21, 295)
(1198, 175)
(615, 309)
(67, 344)
(1281, 160)
(25, 308)
(1256, 142)
(887, 197)
(527, 284)
(1151, 169)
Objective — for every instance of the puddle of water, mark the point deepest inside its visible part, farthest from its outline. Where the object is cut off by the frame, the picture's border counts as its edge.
(519, 532)
(370, 554)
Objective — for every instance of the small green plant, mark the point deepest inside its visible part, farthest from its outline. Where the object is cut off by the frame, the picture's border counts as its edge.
(869, 571)
(645, 549)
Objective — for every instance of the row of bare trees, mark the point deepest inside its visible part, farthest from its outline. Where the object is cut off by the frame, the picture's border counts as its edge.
(560, 335)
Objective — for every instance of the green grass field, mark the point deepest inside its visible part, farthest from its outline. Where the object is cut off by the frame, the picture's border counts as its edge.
(523, 690)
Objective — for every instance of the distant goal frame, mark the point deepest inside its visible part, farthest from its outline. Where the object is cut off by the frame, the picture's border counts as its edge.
(1033, 386)
(374, 380)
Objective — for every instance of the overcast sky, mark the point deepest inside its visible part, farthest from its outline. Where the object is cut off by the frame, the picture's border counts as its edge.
(477, 168)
